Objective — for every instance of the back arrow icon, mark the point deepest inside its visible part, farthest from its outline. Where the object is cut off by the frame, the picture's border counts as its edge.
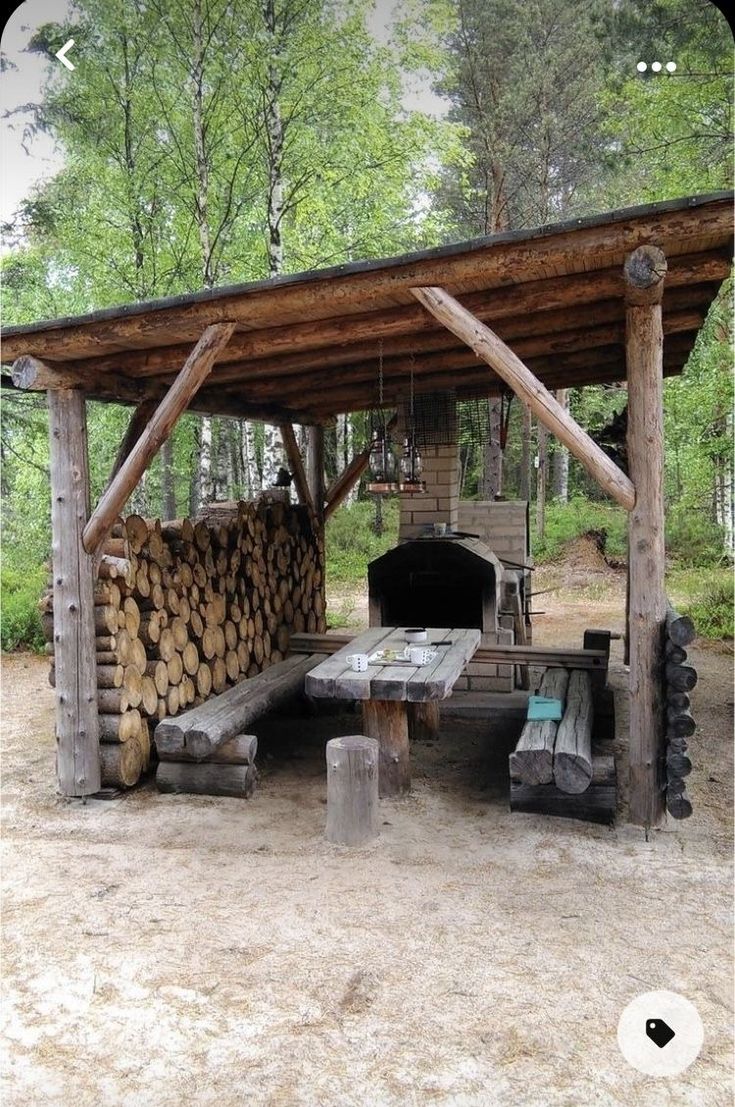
(61, 54)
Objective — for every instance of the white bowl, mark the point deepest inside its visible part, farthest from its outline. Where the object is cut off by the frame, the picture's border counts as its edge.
(416, 634)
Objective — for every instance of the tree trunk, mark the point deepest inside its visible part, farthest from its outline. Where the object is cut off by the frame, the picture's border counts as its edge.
(248, 455)
(524, 484)
(344, 452)
(543, 453)
(560, 468)
(204, 491)
(273, 455)
(168, 494)
(492, 480)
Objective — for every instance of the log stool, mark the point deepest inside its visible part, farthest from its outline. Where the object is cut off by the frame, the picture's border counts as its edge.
(352, 790)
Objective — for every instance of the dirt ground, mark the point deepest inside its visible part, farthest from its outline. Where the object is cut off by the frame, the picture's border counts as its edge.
(163, 950)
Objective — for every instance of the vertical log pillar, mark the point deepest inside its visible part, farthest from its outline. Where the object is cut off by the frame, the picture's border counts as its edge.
(645, 270)
(77, 723)
(387, 720)
(315, 480)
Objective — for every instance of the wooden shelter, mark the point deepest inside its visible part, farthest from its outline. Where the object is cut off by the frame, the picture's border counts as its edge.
(611, 298)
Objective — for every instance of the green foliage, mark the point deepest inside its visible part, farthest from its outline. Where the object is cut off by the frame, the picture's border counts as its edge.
(667, 135)
(566, 521)
(692, 539)
(707, 597)
(20, 622)
(351, 541)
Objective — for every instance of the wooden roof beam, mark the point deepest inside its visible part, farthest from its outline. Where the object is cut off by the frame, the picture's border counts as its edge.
(530, 391)
(33, 375)
(195, 370)
(555, 330)
(454, 358)
(686, 225)
(542, 296)
(480, 385)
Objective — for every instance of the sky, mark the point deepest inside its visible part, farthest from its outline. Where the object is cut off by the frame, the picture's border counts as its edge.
(26, 159)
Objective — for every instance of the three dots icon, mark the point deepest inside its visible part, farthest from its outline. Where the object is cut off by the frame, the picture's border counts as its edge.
(656, 67)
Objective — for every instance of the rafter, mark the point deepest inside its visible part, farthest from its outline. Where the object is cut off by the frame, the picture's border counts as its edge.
(196, 369)
(519, 377)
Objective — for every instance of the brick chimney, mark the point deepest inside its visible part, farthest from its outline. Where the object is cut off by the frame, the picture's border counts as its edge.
(440, 502)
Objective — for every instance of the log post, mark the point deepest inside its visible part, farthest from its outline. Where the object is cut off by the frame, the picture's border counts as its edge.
(352, 790)
(387, 720)
(644, 275)
(77, 723)
(423, 720)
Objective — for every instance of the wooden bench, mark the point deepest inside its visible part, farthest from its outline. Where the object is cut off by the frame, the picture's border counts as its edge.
(196, 735)
(555, 768)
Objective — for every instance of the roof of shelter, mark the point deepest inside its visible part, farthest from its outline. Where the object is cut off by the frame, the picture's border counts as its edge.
(306, 346)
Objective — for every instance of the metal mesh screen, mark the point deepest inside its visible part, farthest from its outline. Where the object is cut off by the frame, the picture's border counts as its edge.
(441, 420)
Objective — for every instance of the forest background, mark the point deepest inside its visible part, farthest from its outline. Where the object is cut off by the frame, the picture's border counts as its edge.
(218, 141)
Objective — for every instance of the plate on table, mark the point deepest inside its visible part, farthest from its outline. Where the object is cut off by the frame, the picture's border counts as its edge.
(398, 657)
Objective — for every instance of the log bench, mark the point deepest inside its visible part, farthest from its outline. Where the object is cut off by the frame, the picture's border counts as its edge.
(557, 768)
(209, 746)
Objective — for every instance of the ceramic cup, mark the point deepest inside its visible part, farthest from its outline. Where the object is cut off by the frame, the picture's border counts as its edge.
(419, 655)
(416, 634)
(358, 662)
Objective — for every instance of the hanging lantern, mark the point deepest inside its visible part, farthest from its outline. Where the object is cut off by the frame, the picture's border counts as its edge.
(382, 463)
(411, 460)
(411, 467)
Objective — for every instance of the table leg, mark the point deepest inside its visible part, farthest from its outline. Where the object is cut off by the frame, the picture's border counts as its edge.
(387, 720)
(423, 720)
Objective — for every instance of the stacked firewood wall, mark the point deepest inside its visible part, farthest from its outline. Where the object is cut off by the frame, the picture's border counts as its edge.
(679, 680)
(185, 609)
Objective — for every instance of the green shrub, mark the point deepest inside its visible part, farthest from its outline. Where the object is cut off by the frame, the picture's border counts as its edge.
(20, 621)
(351, 541)
(691, 539)
(564, 522)
(707, 597)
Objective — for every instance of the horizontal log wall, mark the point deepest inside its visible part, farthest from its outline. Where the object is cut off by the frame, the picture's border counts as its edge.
(187, 608)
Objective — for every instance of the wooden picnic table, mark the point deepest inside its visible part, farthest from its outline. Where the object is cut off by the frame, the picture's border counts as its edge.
(397, 698)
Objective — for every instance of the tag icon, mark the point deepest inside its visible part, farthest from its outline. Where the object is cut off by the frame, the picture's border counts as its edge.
(659, 1032)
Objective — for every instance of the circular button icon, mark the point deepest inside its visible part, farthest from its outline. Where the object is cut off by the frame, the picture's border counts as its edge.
(660, 1033)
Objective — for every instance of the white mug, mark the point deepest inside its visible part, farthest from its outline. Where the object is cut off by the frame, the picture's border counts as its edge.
(358, 662)
(418, 655)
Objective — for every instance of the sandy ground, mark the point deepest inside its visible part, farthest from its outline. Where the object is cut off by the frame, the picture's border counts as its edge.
(167, 950)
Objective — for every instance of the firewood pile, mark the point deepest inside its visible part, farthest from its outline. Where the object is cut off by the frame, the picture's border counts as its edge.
(187, 608)
(679, 680)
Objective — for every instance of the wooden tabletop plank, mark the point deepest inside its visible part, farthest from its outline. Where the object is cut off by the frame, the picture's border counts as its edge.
(437, 682)
(321, 681)
(334, 677)
(364, 688)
